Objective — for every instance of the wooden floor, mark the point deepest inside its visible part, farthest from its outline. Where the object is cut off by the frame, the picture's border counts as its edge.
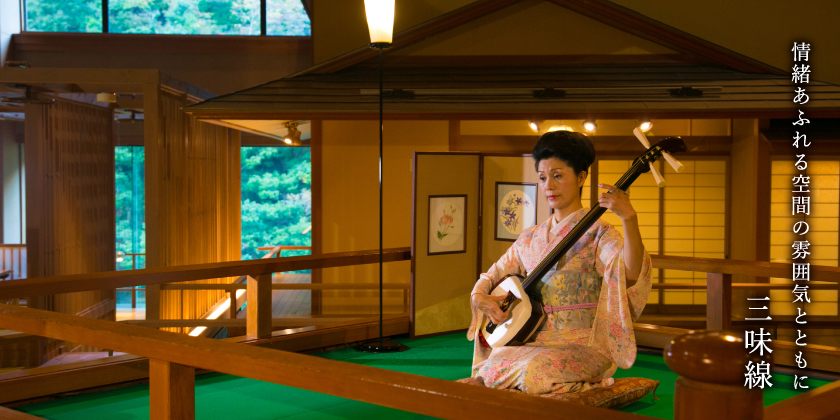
(289, 302)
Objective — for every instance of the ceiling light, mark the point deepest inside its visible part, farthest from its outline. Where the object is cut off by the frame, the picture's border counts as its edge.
(292, 138)
(535, 125)
(645, 125)
(590, 126)
(560, 128)
(120, 256)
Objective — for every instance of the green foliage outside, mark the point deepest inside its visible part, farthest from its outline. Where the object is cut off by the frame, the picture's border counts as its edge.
(276, 202)
(276, 199)
(129, 176)
(64, 15)
(130, 203)
(185, 17)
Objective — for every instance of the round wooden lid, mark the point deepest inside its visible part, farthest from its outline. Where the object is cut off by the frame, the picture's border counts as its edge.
(718, 357)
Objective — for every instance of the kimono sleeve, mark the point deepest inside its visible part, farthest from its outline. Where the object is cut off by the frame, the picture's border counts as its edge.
(509, 263)
(618, 306)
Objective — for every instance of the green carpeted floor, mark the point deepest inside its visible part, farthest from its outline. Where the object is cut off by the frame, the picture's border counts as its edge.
(446, 357)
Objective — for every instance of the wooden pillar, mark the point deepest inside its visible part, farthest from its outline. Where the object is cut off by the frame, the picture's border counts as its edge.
(454, 135)
(712, 369)
(316, 155)
(258, 309)
(718, 301)
(171, 391)
(749, 212)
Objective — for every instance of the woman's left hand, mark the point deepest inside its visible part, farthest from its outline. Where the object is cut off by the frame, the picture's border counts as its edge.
(618, 202)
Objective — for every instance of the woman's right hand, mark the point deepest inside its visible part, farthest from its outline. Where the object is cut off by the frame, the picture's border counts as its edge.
(489, 304)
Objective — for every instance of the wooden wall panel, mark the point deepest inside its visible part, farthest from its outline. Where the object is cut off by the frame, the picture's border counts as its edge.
(70, 213)
(193, 184)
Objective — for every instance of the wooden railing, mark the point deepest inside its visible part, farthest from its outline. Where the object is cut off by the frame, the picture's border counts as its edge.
(13, 258)
(12, 265)
(258, 286)
(281, 248)
(174, 357)
(719, 281)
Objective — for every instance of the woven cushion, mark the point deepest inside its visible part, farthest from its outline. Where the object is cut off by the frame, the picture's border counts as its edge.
(623, 392)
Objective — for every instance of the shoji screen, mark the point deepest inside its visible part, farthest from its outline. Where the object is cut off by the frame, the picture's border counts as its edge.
(823, 221)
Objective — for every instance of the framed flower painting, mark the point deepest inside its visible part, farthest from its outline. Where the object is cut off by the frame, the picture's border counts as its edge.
(447, 227)
(516, 209)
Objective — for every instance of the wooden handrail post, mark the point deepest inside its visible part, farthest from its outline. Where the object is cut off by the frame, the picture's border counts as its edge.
(233, 307)
(718, 301)
(153, 301)
(712, 369)
(258, 309)
(171, 391)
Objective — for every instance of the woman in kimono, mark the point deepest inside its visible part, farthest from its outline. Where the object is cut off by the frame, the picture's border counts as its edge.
(588, 332)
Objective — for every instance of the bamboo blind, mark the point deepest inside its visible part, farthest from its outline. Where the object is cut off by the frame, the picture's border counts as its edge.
(70, 212)
(193, 201)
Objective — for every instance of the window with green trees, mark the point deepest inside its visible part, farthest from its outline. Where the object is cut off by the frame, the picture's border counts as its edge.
(182, 17)
(129, 165)
(276, 199)
(276, 203)
(130, 194)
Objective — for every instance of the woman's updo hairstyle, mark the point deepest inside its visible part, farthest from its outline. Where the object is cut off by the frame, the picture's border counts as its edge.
(573, 148)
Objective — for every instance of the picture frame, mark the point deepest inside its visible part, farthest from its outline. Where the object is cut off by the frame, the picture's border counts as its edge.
(515, 210)
(447, 224)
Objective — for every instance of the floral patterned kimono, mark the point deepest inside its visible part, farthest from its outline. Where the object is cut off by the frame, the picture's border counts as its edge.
(578, 347)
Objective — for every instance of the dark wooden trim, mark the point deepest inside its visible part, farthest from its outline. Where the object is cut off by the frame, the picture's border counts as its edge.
(727, 216)
(762, 237)
(316, 150)
(9, 414)
(652, 30)
(439, 61)
(263, 18)
(216, 114)
(480, 230)
(153, 43)
(661, 251)
(413, 243)
(454, 135)
(409, 36)
(466, 222)
(155, 276)
(307, 6)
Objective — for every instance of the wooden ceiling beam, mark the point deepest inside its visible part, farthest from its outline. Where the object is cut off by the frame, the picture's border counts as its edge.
(412, 35)
(463, 61)
(605, 114)
(652, 30)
